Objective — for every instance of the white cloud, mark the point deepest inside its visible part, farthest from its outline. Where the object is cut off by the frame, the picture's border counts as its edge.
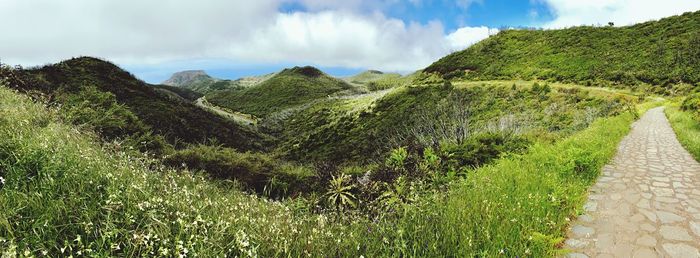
(468, 36)
(621, 12)
(349, 40)
(137, 33)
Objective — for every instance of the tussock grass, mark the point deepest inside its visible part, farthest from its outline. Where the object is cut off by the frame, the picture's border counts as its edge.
(64, 194)
(687, 128)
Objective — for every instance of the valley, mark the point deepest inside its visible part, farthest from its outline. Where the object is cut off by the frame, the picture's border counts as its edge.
(517, 146)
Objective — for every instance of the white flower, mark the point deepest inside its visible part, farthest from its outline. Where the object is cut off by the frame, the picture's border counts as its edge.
(2, 180)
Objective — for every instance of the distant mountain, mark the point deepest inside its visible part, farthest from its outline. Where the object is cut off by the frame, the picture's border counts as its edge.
(370, 76)
(179, 122)
(200, 82)
(190, 77)
(655, 52)
(286, 89)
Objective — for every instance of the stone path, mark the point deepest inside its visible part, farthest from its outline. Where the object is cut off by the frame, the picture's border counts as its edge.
(646, 202)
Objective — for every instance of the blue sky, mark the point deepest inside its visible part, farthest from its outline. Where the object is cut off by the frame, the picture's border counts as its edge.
(232, 38)
(451, 14)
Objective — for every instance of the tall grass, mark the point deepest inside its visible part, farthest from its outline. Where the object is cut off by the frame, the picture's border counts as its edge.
(62, 194)
(687, 129)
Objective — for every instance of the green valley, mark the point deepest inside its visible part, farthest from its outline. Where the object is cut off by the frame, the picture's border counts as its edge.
(503, 149)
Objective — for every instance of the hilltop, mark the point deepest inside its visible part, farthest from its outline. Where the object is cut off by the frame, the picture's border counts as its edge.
(90, 84)
(656, 52)
(200, 82)
(189, 77)
(288, 88)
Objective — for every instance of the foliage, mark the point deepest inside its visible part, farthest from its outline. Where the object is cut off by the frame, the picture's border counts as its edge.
(181, 92)
(423, 116)
(101, 112)
(180, 123)
(287, 89)
(656, 52)
(339, 192)
(686, 123)
(260, 172)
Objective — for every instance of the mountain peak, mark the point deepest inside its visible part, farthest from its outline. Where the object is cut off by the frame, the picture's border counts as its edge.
(187, 77)
(308, 71)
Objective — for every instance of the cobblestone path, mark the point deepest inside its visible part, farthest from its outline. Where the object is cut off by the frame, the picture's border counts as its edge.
(646, 202)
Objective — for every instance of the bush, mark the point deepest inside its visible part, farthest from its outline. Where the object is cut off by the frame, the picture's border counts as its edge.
(259, 172)
(481, 149)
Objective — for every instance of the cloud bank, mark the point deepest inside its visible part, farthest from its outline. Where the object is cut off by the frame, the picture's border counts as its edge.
(329, 33)
(621, 12)
(348, 33)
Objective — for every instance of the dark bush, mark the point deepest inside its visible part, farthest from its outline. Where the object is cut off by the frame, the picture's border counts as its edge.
(260, 172)
(481, 149)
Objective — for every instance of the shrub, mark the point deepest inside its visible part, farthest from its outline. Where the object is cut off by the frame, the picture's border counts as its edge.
(259, 172)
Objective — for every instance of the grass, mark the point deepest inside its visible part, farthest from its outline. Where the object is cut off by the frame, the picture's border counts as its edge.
(327, 132)
(62, 193)
(687, 128)
(287, 89)
(658, 53)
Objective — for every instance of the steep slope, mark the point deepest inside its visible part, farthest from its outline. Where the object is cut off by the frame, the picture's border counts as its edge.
(656, 52)
(289, 88)
(183, 93)
(179, 122)
(416, 117)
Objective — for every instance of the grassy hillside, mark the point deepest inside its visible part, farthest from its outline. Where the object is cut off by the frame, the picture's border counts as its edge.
(437, 116)
(376, 80)
(211, 84)
(656, 52)
(62, 194)
(83, 82)
(185, 94)
(287, 89)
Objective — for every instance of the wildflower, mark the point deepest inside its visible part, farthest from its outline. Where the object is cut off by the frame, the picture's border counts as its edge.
(2, 181)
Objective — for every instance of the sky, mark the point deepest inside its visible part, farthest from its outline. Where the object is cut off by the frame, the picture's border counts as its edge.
(235, 38)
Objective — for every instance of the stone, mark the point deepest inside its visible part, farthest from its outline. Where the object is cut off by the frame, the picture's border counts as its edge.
(645, 253)
(590, 206)
(695, 227)
(580, 230)
(681, 250)
(675, 233)
(646, 240)
(575, 243)
(667, 217)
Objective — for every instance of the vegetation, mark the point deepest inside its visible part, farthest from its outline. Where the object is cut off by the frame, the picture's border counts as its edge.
(436, 116)
(685, 121)
(660, 53)
(179, 122)
(202, 83)
(287, 89)
(376, 80)
(260, 172)
(184, 94)
(61, 194)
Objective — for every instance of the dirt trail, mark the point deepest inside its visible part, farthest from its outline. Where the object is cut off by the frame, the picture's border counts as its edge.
(238, 117)
(647, 201)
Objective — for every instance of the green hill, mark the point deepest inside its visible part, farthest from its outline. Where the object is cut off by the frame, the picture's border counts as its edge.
(655, 52)
(200, 82)
(289, 88)
(436, 116)
(370, 76)
(86, 82)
